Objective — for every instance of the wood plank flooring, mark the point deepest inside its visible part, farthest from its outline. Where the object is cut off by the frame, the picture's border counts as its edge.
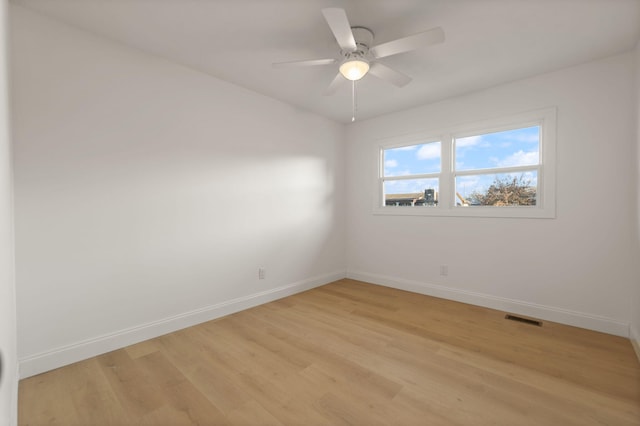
(350, 353)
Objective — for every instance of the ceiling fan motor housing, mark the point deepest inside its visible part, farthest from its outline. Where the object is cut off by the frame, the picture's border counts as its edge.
(364, 40)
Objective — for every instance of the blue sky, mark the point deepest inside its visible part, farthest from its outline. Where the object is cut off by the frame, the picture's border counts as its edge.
(510, 148)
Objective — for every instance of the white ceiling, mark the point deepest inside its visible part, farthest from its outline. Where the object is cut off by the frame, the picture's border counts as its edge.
(488, 42)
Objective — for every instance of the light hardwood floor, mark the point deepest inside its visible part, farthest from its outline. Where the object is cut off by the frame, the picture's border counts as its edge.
(350, 353)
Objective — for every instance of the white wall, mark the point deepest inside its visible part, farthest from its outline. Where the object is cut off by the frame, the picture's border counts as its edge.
(635, 297)
(148, 195)
(577, 268)
(8, 358)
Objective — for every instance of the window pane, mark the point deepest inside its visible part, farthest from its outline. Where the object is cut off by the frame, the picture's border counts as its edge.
(411, 192)
(511, 148)
(412, 160)
(502, 189)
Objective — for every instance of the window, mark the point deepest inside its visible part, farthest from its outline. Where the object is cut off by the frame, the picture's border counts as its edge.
(497, 168)
(412, 174)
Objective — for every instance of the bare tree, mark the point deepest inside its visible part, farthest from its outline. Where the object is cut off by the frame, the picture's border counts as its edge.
(506, 191)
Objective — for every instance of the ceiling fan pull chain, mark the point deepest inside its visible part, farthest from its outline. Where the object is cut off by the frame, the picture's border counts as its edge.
(353, 101)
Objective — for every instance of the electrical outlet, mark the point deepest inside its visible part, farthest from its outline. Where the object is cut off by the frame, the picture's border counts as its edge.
(444, 270)
(262, 273)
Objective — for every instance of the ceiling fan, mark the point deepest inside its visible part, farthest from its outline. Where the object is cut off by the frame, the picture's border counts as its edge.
(360, 56)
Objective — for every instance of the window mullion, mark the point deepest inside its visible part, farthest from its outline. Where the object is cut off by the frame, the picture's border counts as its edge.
(447, 178)
(497, 170)
(408, 177)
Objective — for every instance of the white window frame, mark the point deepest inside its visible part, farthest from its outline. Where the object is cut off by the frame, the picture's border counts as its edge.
(546, 169)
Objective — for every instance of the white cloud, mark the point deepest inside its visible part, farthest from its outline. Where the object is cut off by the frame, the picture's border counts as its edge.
(429, 151)
(468, 141)
(520, 158)
(404, 172)
(467, 181)
(391, 163)
(403, 186)
(527, 137)
(405, 148)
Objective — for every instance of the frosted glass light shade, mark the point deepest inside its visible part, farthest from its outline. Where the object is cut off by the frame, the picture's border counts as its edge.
(354, 69)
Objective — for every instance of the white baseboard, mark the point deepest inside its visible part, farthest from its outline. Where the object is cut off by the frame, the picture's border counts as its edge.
(635, 341)
(61, 356)
(549, 313)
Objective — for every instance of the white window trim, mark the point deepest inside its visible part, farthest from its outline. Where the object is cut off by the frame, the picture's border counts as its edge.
(546, 199)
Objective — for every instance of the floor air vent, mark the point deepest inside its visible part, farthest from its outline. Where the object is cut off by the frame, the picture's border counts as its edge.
(529, 321)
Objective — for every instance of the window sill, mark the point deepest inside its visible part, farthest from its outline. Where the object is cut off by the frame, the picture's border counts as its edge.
(532, 212)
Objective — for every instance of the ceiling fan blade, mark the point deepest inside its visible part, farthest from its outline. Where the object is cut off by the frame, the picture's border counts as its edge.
(405, 44)
(340, 27)
(389, 74)
(307, 63)
(335, 85)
